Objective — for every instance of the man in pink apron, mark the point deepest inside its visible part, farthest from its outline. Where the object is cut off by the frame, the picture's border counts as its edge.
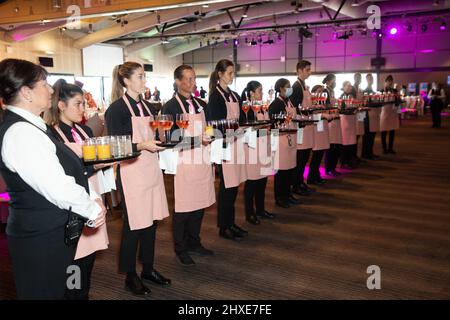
(389, 121)
(348, 129)
(360, 116)
(334, 129)
(140, 180)
(194, 178)
(371, 122)
(284, 145)
(224, 104)
(301, 98)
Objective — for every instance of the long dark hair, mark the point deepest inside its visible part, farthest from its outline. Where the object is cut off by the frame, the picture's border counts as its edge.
(221, 66)
(251, 87)
(62, 91)
(281, 83)
(121, 72)
(15, 74)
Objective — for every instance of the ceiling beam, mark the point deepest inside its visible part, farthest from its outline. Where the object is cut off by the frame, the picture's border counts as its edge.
(26, 11)
(255, 12)
(303, 17)
(142, 23)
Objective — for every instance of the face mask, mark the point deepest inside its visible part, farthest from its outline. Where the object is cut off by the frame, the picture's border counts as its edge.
(288, 92)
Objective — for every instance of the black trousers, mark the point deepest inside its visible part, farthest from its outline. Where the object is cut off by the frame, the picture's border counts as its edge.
(391, 140)
(132, 239)
(436, 115)
(347, 154)
(367, 144)
(282, 184)
(255, 193)
(299, 170)
(314, 166)
(186, 230)
(332, 157)
(225, 203)
(86, 264)
(40, 265)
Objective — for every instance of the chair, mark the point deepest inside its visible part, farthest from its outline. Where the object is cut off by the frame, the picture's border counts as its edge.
(96, 125)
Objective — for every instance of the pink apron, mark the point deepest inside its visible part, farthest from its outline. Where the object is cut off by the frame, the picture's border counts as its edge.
(142, 179)
(91, 239)
(286, 153)
(359, 127)
(234, 171)
(334, 131)
(308, 131)
(388, 117)
(348, 129)
(193, 182)
(374, 119)
(258, 160)
(321, 138)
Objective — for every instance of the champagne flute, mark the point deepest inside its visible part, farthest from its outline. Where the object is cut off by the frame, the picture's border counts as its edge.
(182, 121)
(165, 123)
(246, 108)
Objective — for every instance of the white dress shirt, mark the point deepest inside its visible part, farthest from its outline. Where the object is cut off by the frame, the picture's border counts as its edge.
(30, 153)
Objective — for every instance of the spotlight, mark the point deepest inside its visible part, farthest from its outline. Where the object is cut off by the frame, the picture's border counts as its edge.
(424, 27)
(306, 33)
(443, 26)
(236, 42)
(409, 27)
(393, 31)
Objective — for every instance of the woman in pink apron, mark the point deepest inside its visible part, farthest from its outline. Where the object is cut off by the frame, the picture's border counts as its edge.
(66, 111)
(321, 144)
(301, 99)
(334, 129)
(258, 161)
(371, 122)
(225, 104)
(348, 129)
(360, 115)
(194, 178)
(285, 155)
(140, 181)
(389, 121)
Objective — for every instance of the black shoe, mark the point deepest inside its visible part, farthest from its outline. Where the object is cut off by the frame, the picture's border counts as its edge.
(265, 214)
(304, 186)
(293, 200)
(185, 259)
(156, 278)
(300, 191)
(317, 182)
(391, 151)
(230, 235)
(253, 220)
(282, 203)
(135, 286)
(347, 166)
(239, 231)
(201, 251)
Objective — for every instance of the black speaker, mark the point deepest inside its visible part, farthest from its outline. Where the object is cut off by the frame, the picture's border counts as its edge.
(378, 62)
(148, 67)
(46, 61)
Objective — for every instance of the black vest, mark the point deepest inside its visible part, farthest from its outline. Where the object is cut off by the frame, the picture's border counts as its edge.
(30, 213)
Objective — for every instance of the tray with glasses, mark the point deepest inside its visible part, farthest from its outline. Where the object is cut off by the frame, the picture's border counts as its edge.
(107, 149)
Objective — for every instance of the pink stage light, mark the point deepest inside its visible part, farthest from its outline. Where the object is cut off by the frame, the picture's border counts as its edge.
(393, 31)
